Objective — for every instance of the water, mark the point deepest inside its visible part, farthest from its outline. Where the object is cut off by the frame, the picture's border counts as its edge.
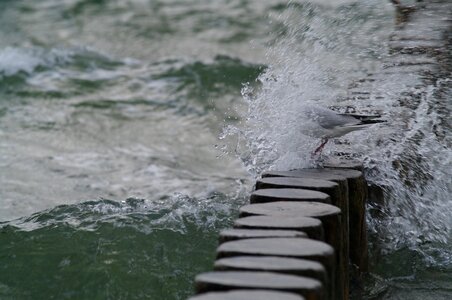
(114, 181)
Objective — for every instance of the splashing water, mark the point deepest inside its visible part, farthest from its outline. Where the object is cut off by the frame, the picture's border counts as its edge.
(309, 65)
(413, 167)
(319, 59)
(114, 99)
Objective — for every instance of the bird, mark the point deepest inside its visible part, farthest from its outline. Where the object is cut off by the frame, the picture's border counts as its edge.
(324, 123)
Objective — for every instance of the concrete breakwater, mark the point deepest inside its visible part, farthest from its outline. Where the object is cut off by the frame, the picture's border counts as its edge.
(295, 238)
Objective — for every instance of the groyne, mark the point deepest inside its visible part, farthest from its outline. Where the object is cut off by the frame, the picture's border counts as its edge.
(304, 232)
(294, 237)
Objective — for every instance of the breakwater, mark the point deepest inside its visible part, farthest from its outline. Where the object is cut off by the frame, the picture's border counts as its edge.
(302, 228)
(297, 235)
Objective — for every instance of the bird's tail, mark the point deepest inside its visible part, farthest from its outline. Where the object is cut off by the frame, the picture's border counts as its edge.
(372, 121)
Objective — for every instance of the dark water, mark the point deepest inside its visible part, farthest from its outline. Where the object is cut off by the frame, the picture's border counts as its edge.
(117, 100)
(103, 250)
(113, 179)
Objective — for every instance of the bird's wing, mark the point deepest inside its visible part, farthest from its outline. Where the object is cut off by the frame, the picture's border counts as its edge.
(330, 119)
(362, 117)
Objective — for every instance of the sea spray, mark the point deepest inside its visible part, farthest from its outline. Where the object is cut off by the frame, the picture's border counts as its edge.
(413, 167)
(319, 56)
(309, 64)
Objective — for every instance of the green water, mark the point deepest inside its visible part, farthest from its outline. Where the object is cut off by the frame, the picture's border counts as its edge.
(121, 101)
(114, 182)
(104, 256)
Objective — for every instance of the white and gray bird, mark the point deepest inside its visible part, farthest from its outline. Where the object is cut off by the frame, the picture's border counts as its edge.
(325, 123)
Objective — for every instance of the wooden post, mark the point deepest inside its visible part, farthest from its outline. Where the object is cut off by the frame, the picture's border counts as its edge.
(357, 187)
(334, 230)
(238, 234)
(336, 190)
(312, 227)
(286, 265)
(271, 195)
(285, 247)
(248, 295)
(309, 288)
(328, 187)
(360, 193)
(339, 197)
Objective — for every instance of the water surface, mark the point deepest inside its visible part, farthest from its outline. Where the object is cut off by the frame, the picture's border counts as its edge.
(131, 131)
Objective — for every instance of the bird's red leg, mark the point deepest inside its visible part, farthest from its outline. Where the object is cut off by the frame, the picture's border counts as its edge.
(320, 148)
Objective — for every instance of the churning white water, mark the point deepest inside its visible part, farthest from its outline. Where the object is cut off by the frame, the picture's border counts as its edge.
(320, 60)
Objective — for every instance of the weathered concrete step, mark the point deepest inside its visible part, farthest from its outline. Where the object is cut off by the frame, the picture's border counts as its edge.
(309, 288)
(248, 295)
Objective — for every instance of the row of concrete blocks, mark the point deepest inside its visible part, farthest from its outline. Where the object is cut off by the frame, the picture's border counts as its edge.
(300, 238)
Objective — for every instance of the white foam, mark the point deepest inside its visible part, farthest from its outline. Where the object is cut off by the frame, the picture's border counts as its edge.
(15, 60)
(311, 64)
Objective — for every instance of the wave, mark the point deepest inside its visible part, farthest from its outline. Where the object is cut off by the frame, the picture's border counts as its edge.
(27, 60)
(320, 53)
(86, 78)
(42, 72)
(172, 212)
(321, 60)
(123, 250)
